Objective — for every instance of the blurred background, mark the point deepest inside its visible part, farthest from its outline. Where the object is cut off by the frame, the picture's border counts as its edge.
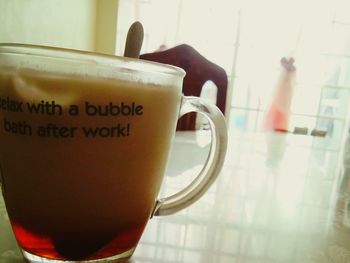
(281, 198)
(247, 38)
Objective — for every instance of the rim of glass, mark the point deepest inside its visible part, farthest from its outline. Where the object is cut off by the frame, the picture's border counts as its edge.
(90, 57)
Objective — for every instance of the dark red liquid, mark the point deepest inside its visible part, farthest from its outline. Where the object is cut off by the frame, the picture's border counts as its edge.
(63, 247)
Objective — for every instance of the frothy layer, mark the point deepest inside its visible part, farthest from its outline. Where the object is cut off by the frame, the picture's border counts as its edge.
(82, 187)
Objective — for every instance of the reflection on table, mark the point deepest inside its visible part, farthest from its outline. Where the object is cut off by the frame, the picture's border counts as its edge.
(280, 198)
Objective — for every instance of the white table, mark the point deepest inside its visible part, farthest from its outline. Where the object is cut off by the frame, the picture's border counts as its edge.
(279, 198)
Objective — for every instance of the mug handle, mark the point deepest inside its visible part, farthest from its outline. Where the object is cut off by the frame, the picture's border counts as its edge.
(212, 167)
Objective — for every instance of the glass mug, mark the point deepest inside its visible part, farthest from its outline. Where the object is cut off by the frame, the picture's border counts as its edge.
(84, 143)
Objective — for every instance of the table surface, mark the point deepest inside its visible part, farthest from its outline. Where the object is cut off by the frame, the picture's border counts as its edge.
(279, 198)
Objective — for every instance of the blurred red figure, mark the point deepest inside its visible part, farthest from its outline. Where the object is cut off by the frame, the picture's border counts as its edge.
(277, 115)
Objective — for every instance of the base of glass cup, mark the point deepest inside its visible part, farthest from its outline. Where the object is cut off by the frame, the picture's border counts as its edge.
(120, 258)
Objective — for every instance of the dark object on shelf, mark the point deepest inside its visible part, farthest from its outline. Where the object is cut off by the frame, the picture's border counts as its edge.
(318, 133)
(301, 130)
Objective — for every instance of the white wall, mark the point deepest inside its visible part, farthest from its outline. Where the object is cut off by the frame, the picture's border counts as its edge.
(63, 23)
(106, 26)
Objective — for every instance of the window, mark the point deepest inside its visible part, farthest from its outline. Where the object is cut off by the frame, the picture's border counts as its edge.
(248, 38)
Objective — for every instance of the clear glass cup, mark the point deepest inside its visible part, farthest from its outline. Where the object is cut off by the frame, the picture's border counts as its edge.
(84, 143)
